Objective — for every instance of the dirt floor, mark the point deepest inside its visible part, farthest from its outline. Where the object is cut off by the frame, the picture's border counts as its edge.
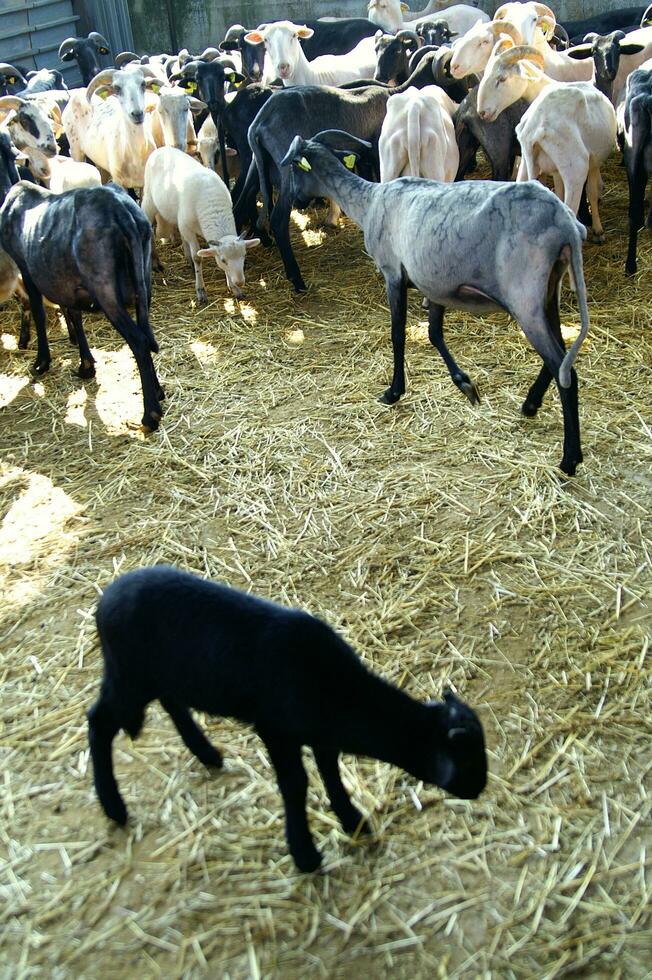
(437, 537)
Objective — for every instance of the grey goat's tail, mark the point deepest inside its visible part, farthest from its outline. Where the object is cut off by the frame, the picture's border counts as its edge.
(135, 246)
(580, 285)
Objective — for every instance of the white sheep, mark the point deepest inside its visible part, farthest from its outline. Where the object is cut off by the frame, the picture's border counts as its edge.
(418, 136)
(182, 194)
(393, 15)
(289, 62)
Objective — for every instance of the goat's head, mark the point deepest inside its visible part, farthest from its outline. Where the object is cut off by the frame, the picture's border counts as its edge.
(471, 52)
(393, 52)
(455, 758)
(527, 18)
(388, 14)
(28, 125)
(173, 107)
(11, 79)
(606, 51)
(230, 253)
(282, 44)
(307, 158)
(86, 52)
(128, 85)
(435, 32)
(45, 80)
(252, 55)
(8, 171)
(206, 78)
(510, 70)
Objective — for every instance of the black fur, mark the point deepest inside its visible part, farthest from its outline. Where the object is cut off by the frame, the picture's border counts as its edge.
(195, 644)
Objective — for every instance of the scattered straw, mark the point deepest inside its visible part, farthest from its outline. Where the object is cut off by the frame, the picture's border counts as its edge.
(438, 538)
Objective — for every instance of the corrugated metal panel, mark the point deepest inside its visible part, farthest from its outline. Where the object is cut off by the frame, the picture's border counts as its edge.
(31, 32)
(111, 19)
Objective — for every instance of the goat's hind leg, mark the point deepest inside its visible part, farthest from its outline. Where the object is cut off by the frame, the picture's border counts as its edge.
(347, 814)
(75, 326)
(436, 336)
(536, 394)
(192, 735)
(103, 726)
(397, 296)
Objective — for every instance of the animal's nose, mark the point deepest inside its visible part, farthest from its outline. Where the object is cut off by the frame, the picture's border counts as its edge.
(255, 70)
(137, 117)
(454, 68)
(284, 68)
(49, 150)
(483, 114)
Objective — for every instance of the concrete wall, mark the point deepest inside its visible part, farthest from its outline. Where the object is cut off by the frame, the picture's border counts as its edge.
(164, 25)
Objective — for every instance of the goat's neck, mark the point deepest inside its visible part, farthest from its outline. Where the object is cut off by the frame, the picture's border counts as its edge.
(535, 88)
(303, 73)
(353, 194)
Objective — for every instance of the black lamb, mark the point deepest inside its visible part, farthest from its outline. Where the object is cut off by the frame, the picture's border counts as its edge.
(192, 643)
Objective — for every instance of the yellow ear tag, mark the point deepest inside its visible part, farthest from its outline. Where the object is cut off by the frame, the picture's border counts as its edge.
(12, 80)
(303, 164)
(232, 78)
(191, 86)
(104, 94)
(155, 88)
(349, 161)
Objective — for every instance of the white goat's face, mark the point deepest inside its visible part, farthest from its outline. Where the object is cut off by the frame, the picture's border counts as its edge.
(31, 130)
(282, 45)
(230, 253)
(173, 109)
(129, 89)
(526, 18)
(503, 83)
(386, 13)
(472, 51)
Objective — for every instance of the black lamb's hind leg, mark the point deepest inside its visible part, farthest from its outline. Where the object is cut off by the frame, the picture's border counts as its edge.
(397, 297)
(293, 784)
(347, 814)
(75, 326)
(192, 735)
(436, 336)
(102, 729)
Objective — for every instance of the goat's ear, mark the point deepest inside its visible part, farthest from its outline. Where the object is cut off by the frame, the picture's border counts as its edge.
(251, 243)
(405, 7)
(254, 37)
(229, 45)
(528, 70)
(235, 78)
(153, 85)
(304, 33)
(631, 48)
(580, 52)
(205, 253)
(196, 105)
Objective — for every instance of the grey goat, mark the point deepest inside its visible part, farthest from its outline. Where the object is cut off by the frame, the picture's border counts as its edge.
(477, 246)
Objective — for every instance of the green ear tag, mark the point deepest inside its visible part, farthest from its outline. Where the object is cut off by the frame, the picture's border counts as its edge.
(303, 164)
(191, 86)
(104, 94)
(155, 88)
(349, 161)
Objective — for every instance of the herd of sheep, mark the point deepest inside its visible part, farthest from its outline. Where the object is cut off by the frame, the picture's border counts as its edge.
(382, 116)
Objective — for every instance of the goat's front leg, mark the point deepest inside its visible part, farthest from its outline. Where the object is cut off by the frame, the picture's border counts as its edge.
(637, 177)
(191, 247)
(42, 362)
(593, 194)
(397, 297)
(436, 336)
(293, 784)
(348, 815)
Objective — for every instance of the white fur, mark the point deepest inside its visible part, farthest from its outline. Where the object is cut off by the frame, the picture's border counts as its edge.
(418, 136)
(289, 63)
(389, 15)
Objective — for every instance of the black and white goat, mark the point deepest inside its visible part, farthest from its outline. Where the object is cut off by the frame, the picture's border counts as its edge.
(507, 249)
(86, 52)
(195, 644)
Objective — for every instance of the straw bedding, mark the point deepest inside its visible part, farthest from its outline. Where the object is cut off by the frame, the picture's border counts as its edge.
(437, 537)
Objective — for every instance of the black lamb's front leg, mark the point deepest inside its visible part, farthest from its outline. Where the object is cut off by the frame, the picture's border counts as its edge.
(293, 784)
(347, 814)
(397, 298)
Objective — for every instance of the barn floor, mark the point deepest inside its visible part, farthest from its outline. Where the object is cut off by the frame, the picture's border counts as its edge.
(437, 537)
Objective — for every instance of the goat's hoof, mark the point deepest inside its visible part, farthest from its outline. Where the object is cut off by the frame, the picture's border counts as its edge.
(307, 859)
(569, 466)
(598, 239)
(299, 286)
(151, 422)
(41, 367)
(529, 409)
(117, 811)
(211, 757)
(23, 342)
(389, 397)
(631, 269)
(470, 389)
(86, 370)
(202, 297)
(158, 266)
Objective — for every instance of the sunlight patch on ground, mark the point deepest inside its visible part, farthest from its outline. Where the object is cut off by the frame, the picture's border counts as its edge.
(301, 220)
(295, 336)
(205, 353)
(9, 341)
(40, 511)
(312, 238)
(76, 408)
(10, 385)
(119, 400)
(569, 331)
(418, 332)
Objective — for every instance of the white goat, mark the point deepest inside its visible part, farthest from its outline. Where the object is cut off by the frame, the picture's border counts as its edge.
(536, 23)
(281, 40)
(112, 133)
(418, 136)
(568, 131)
(170, 121)
(182, 194)
(392, 15)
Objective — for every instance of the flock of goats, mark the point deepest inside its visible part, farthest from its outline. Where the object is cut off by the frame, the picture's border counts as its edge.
(358, 111)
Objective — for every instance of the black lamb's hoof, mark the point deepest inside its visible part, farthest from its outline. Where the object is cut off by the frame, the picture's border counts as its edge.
(151, 421)
(631, 269)
(569, 466)
(389, 397)
(117, 811)
(357, 826)
(299, 286)
(41, 367)
(23, 341)
(529, 409)
(470, 389)
(307, 859)
(211, 757)
(86, 370)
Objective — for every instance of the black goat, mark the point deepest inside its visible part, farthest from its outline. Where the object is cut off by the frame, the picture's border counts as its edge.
(606, 51)
(86, 52)
(12, 79)
(303, 110)
(190, 643)
(252, 56)
(84, 250)
(238, 116)
(612, 20)
(435, 32)
(206, 77)
(638, 154)
(10, 284)
(335, 36)
(497, 139)
(393, 55)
